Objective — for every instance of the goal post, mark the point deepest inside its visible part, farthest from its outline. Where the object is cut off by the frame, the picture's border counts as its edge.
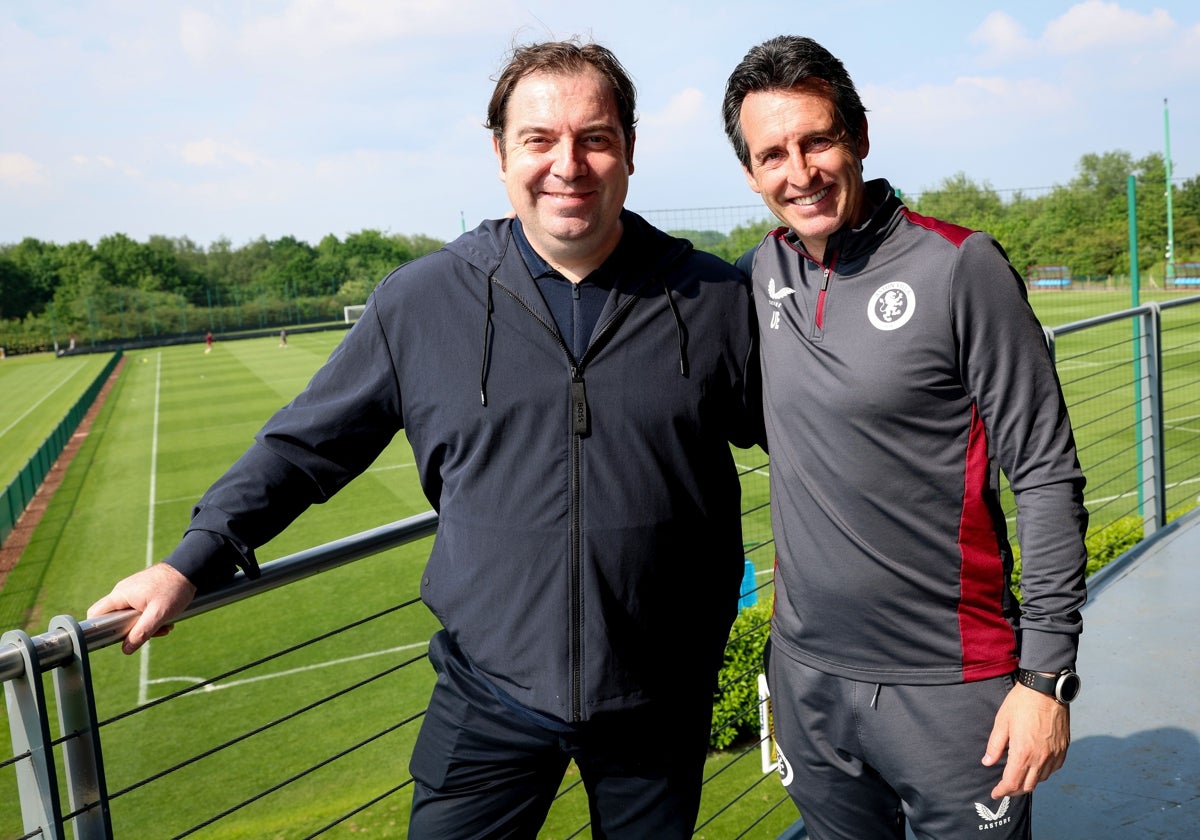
(353, 312)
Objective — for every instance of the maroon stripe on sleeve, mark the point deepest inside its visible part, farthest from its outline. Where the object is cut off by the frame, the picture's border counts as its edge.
(988, 644)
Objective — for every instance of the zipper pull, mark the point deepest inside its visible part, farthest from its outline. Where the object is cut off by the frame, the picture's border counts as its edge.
(580, 421)
(820, 317)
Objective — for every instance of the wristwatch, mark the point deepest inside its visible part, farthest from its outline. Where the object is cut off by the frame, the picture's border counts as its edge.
(1063, 686)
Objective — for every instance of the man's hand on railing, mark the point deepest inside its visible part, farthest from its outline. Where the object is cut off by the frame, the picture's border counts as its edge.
(159, 593)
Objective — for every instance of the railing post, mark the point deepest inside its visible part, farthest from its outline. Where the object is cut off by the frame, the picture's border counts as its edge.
(83, 763)
(36, 779)
(1151, 449)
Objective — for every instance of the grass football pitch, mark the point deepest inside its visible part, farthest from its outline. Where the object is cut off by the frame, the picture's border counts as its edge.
(176, 419)
(38, 391)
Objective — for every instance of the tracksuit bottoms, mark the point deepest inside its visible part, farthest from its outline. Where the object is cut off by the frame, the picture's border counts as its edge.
(859, 759)
(487, 767)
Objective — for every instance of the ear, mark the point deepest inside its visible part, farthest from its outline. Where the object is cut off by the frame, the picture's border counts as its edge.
(751, 180)
(499, 151)
(864, 141)
(629, 152)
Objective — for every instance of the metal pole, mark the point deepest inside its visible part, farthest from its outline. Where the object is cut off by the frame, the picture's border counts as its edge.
(1170, 215)
(1131, 199)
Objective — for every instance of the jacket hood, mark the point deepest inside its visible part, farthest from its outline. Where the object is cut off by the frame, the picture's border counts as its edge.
(488, 247)
(485, 246)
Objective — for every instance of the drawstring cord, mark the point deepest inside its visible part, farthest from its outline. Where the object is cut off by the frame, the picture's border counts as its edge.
(679, 331)
(875, 697)
(487, 330)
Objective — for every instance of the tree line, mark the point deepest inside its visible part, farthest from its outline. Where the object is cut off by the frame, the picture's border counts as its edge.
(1082, 225)
(120, 289)
(52, 296)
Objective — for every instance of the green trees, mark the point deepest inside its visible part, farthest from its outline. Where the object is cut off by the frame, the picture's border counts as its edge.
(1083, 224)
(123, 289)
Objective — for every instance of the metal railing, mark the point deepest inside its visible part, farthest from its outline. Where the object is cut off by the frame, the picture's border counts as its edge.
(1137, 444)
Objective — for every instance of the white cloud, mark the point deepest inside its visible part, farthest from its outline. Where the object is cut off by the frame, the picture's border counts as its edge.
(1096, 25)
(210, 152)
(104, 163)
(1002, 39)
(17, 168)
(967, 97)
(199, 34)
(319, 27)
(685, 108)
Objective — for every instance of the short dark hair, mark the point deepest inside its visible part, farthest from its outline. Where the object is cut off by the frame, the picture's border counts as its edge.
(562, 58)
(787, 62)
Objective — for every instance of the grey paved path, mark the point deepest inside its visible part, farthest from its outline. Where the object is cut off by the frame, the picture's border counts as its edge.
(1134, 766)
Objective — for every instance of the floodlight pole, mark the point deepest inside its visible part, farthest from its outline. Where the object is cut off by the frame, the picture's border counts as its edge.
(1170, 216)
(1135, 300)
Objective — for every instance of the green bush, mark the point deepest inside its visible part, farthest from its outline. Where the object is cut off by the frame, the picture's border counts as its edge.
(1111, 541)
(735, 706)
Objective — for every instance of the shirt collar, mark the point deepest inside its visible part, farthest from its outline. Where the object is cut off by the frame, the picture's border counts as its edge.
(538, 267)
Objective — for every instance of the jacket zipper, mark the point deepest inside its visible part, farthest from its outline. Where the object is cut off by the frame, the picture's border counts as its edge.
(580, 427)
(818, 327)
(820, 319)
(822, 297)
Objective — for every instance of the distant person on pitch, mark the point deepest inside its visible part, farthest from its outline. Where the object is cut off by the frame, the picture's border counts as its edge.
(570, 380)
(903, 369)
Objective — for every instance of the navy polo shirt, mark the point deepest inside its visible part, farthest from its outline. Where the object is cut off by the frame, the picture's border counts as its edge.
(575, 306)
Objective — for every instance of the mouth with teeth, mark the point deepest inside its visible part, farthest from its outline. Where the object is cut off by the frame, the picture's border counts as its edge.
(808, 200)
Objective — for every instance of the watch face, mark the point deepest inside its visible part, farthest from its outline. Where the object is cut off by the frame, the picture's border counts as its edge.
(1068, 687)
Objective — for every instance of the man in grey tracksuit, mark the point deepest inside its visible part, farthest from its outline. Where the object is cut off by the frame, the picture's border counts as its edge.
(570, 381)
(902, 370)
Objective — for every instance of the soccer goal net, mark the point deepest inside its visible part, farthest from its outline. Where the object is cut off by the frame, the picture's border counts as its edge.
(353, 312)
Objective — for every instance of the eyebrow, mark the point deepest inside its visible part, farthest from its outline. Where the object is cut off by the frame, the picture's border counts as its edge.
(594, 128)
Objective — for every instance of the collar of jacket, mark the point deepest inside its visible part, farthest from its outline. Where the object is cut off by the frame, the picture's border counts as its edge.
(850, 244)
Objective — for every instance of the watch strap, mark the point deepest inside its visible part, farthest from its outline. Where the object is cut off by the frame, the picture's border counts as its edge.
(1050, 686)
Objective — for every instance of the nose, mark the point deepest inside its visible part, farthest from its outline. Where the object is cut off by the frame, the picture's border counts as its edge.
(570, 161)
(798, 170)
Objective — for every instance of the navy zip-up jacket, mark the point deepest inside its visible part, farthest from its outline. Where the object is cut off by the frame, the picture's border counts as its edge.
(588, 553)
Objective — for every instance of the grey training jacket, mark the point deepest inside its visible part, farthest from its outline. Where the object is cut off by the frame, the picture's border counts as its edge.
(900, 377)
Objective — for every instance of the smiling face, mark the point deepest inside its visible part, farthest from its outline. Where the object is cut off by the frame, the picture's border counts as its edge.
(803, 163)
(565, 164)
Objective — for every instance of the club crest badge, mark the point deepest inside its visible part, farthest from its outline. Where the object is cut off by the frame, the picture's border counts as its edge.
(892, 305)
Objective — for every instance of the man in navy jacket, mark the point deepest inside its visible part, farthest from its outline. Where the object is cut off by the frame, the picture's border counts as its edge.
(570, 380)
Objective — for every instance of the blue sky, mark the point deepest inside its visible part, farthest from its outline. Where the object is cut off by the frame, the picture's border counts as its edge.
(249, 118)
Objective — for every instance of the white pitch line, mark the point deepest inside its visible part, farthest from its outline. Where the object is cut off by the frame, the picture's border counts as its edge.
(290, 671)
(391, 467)
(13, 424)
(194, 498)
(144, 662)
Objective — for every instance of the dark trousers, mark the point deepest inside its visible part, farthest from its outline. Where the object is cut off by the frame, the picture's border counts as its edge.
(860, 759)
(487, 768)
